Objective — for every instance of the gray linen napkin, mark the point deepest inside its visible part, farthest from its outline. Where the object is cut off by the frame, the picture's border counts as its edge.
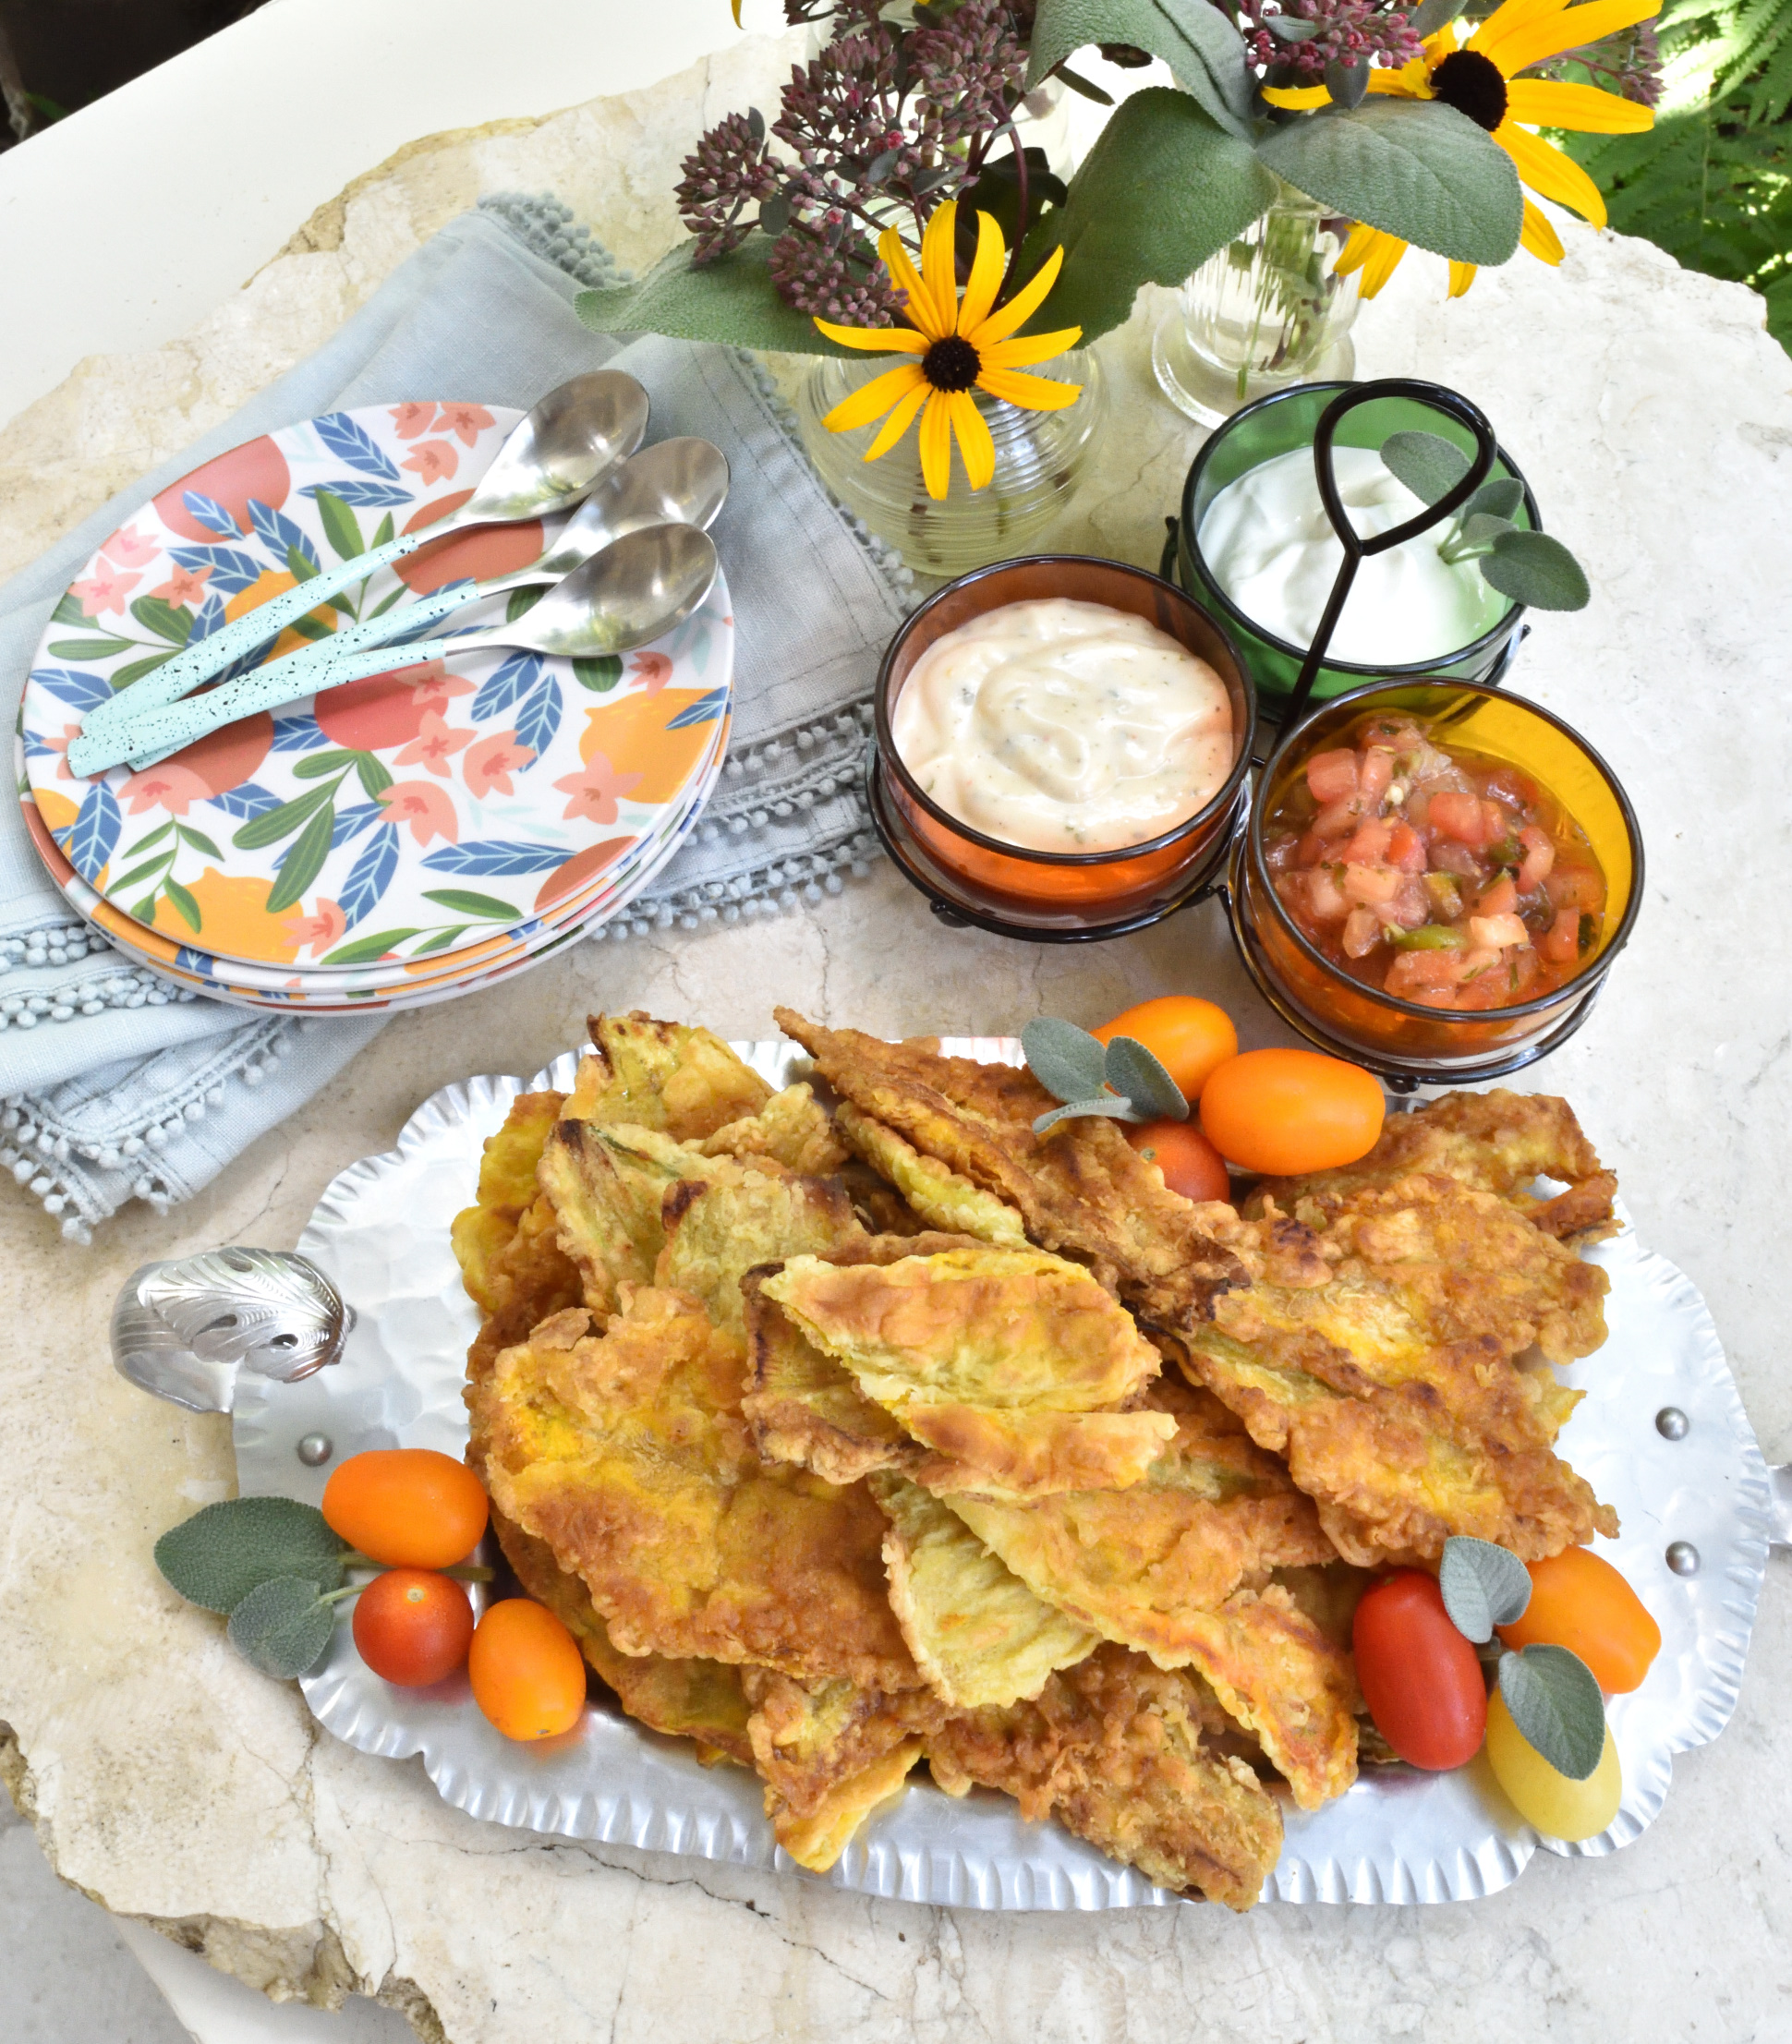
(113, 1085)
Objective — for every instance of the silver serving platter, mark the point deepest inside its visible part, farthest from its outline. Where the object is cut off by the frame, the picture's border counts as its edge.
(380, 1235)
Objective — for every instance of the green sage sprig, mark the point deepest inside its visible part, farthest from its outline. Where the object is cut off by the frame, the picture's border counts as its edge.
(1551, 1692)
(1121, 1080)
(1529, 568)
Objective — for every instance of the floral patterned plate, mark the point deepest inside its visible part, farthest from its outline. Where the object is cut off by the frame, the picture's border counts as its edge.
(430, 799)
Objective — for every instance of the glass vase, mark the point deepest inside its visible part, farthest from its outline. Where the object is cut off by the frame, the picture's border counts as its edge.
(1267, 311)
(1040, 459)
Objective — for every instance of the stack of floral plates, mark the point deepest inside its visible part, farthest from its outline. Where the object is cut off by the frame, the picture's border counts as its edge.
(392, 842)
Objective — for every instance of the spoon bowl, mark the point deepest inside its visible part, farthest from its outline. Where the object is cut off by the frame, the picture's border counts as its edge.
(565, 444)
(674, 482)
(632, 593)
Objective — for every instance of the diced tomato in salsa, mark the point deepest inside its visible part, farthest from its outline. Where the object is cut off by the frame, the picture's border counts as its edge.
(1445, 877)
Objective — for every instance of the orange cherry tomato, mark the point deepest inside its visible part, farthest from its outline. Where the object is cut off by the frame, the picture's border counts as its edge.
(1189, 1163)
(1285, 1111)
(1188, 1037)
(1580, 1600)
(413, 1626)
(1421, 1678)
(408, 1507)
(526, 1670)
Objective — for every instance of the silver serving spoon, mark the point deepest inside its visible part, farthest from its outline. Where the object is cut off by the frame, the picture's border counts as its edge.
(627, 596)
(552, 458)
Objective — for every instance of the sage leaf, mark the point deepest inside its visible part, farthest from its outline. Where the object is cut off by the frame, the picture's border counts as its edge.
(216, 1557)
(1347, 83)
(1533, 568)
(1108, 1103)
(1132, 1072)
(1555, 1703)
(731, 299)
(1484, 526)
(283, 1626)
(1066, 1060)
(1204, 50)
(1434, 14)
(1429, 466)
(1498, 497)
(1483, 1586)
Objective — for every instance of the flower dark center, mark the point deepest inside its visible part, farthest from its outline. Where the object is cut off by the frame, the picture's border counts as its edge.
(952, 364)
(1474, 85)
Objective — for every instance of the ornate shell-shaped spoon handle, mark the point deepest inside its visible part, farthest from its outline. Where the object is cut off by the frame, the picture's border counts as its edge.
(184, 1330)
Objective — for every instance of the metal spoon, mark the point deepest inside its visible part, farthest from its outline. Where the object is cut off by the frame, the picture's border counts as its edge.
(554, 456)
(627, 596)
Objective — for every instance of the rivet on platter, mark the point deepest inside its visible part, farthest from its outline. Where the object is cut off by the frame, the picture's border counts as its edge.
(1683, 1558)
(314, 1450)
(1671, 1423)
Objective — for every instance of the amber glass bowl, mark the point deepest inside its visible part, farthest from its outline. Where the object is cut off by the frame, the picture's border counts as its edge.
(1398, 1037)
(1055, 896)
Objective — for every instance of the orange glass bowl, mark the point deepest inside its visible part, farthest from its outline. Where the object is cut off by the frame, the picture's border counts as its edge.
(1054, 895)
(1397, 1036)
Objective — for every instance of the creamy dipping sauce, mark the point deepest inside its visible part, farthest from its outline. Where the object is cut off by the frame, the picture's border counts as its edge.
(1270, 545)
(1059, 726)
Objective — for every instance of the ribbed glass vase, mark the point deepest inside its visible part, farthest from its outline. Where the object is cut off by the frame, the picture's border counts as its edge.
(1040, 458)
(1267, 312)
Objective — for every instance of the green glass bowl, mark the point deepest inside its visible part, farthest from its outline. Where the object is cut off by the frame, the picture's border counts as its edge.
(1277, 425)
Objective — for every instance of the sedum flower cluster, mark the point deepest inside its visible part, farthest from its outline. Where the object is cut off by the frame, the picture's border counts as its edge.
(1347, 32)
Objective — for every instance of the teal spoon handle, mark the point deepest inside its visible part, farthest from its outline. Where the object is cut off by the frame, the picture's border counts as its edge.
(205, 657)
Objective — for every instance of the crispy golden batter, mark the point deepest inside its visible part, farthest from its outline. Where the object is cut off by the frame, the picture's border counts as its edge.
(1379, 1355)
(817, 1840)
(1113, 1749)
(792, 1129)
(683, 1081)
(1080, 1189)
(1495, 1141)
(714, 1234)
(938, 1195)
(1178, 1567)
(628, 1455)
(977, 1633)
(802, 1408)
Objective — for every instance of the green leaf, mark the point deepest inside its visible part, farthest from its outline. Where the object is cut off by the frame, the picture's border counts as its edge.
(1132, 1072)
(1066, 1060)
(298, 566)
(484, 907)
(522, 601)
(1429, 466)
(274, 824)
(599, 672)
(1483, 1586)
(1205, 52)
(1162, 189)
(1484, 528)
(137, 668)
(216, 1557)
(185, 905)
(311, 628)
(89, 649)
(1434, 15)
(1554, 1701)
(731, 300)
(283, 1626)
(1533, 568)
(138, 872)
(1347, 83)
(155, 836)
(1105, 1104)
(340, 527)
(383, 535)
(155, 614)
(197, 839)
(69, 611)
(440, 941)
(314, 766)
(386, 602)
(364, 950)
(304, 859)
(1498, 497)
(1414, 168)
(370, 771)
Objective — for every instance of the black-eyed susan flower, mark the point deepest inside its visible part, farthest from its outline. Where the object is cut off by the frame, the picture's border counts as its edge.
(959, 345)
(1480, 77)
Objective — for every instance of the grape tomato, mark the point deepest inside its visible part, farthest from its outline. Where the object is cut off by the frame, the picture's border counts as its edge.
(1190, 1164)
(413, 1626)
(526, 1670)
(1580, 1602)
(408, 1507)
(1188, 1037)
(1287, 1111)
(1543, 1797)
(1419, 1677)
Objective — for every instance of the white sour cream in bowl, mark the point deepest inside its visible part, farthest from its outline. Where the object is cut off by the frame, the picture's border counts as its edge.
(1267, 542)
(1057, 726)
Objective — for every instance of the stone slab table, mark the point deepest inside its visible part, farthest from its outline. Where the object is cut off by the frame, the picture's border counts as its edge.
(1655, 417)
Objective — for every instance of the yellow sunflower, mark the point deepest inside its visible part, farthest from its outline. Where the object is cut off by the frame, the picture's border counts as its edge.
(959, 345)
(1480, 78)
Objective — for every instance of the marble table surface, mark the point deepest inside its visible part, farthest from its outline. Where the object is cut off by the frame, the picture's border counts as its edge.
(166, 1780)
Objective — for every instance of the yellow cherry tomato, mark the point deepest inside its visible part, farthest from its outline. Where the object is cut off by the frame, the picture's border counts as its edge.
(1188, 1037)
(1580, 1600)
(1557, 1806)
(526, 1670)
(1286, 1111)
(408, 1507)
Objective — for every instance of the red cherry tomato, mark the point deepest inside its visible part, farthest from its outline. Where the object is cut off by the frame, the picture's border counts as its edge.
(1187, 1035)
(1286, 1111)
(1189, 1163)
(410, 1507)
(1580, 1602)
(1421, 1678)
(413, 1626)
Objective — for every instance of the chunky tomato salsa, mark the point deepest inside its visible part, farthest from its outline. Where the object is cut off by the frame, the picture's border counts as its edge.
(1442, 876)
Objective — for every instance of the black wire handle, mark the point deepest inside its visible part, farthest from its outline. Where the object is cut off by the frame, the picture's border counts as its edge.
(1356, 548)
